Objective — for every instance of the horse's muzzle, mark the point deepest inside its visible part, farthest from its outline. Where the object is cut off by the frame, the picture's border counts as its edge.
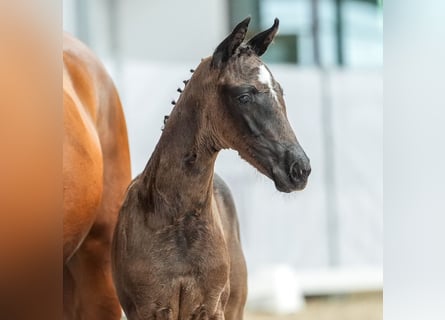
(293, 174)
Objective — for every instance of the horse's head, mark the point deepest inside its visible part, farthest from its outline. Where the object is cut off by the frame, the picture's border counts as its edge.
(248, 112)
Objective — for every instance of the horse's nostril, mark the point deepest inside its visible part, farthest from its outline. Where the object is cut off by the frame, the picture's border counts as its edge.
(295, 171)
(298, 173)
(306, 172)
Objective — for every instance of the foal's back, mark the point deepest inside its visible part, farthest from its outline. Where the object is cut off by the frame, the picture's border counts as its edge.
(238, 271)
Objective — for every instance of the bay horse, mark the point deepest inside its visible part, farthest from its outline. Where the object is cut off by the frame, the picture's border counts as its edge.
(96, 173)
(176, 250)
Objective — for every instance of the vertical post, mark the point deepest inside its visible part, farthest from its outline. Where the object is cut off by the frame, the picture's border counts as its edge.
(332, 220)
(316, 32)
(332, 227)
(339, 31)
(114, 43)
(113, 26)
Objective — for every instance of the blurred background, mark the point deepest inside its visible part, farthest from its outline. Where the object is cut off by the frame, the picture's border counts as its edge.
(315, 254)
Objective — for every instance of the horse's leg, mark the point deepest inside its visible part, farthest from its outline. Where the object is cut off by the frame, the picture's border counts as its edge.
(91, 265)
(69, 302)
(91, 272)
(238, 293)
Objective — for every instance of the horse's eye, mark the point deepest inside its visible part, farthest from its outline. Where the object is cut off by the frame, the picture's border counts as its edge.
(245, 98)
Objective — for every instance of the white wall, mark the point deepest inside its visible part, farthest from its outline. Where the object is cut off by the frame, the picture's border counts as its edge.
(192, 33)
(143, 30)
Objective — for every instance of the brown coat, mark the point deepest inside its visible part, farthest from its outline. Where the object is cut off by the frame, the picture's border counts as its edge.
(96, 173)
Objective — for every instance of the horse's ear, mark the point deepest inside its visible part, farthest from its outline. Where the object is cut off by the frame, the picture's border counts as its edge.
(261, 41)
(229, 45)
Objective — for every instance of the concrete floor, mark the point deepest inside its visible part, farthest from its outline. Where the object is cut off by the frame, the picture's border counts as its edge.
(351, 307)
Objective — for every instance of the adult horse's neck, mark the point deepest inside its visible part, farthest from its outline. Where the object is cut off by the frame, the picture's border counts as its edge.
(178, 178)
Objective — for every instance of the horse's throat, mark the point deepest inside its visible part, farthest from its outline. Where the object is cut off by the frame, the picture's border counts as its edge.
(179, 175)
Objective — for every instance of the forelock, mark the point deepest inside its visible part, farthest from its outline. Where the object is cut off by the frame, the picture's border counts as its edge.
(244, 64)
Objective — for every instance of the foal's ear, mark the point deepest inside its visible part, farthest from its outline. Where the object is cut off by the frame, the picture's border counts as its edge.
(261, 41)
(229, 45)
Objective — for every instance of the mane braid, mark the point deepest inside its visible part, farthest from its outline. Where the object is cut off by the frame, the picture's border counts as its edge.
(173, 102)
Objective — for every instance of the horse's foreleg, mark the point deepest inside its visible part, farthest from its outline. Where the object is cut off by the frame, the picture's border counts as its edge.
(91, 271)
(69, 301)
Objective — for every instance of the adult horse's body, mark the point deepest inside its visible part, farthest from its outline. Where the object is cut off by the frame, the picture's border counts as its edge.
(96, 172)
(176, 249)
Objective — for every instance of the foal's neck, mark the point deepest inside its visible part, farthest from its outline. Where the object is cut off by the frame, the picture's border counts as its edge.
(178, 178)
